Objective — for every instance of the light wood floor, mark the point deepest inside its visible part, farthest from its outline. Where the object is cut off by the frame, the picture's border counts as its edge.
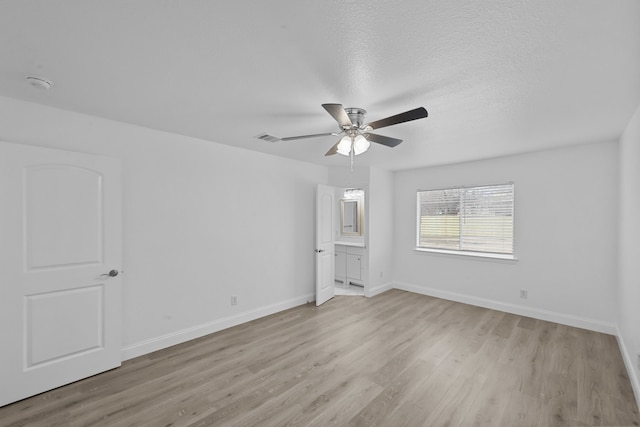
(398, 359)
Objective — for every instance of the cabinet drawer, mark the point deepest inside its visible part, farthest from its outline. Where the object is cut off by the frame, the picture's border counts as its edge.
(355, 250)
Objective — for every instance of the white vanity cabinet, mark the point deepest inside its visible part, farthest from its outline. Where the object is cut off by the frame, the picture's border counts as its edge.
(349, 264)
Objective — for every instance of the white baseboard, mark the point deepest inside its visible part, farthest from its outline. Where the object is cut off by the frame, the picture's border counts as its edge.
(178, 337)
(565, 319)
(378, 289)
(629, 364)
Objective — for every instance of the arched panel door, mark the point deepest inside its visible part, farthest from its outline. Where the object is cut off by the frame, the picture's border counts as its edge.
(60, 270)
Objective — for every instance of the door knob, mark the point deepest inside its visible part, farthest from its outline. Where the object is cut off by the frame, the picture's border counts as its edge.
(112, 273)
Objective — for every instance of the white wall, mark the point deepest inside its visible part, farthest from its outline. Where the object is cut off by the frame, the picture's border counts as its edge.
(629, 251)
(381, 207)
(566, 205)
(202, 221)
(343, 176)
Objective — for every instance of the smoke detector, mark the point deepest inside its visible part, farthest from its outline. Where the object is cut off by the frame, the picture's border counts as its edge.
(39, 82)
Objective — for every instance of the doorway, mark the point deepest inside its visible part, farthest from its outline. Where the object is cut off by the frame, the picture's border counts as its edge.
(350, 242)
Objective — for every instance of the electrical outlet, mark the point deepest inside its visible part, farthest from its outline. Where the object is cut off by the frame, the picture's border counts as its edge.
(234, 300)
(524, 294)
(381, 274)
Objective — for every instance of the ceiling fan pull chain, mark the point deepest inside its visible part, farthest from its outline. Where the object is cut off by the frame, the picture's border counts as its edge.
(351, 155)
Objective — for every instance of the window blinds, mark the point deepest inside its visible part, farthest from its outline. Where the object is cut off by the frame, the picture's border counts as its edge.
(473, 219)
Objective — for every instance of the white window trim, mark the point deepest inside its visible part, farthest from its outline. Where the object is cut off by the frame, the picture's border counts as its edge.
(506, 257)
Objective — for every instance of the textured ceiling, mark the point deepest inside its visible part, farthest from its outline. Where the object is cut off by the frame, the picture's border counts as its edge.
(497, 77)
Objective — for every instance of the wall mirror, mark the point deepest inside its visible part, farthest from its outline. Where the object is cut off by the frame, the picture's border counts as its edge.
(351, 215)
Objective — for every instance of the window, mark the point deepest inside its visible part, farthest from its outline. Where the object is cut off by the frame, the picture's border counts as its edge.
(467, 220)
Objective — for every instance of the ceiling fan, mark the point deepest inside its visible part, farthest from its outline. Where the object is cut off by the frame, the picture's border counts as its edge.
(357, 135)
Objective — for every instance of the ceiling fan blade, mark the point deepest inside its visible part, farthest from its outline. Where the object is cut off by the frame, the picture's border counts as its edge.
(333, 150)
(407, 116)
(315, 135)
(381, 139)
(337, 112)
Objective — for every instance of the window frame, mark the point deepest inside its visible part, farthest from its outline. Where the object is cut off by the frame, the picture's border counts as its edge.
(457, 252)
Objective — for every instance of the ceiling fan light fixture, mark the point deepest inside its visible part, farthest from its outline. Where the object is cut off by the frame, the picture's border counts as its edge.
(344, 146)
(360, 145)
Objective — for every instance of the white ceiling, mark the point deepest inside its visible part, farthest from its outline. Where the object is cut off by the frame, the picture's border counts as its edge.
(497, 77)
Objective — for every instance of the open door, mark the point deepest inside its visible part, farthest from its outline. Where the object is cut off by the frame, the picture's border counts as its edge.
(325, 258)
(60, 262)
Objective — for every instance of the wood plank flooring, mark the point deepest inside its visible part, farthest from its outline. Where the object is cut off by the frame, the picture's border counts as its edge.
(398, 359)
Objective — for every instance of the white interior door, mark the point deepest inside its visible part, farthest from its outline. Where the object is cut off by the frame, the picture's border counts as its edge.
(60, 236)
(325, 226)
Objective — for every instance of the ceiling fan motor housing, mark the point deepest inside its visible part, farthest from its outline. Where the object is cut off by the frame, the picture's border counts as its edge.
(356, 115)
